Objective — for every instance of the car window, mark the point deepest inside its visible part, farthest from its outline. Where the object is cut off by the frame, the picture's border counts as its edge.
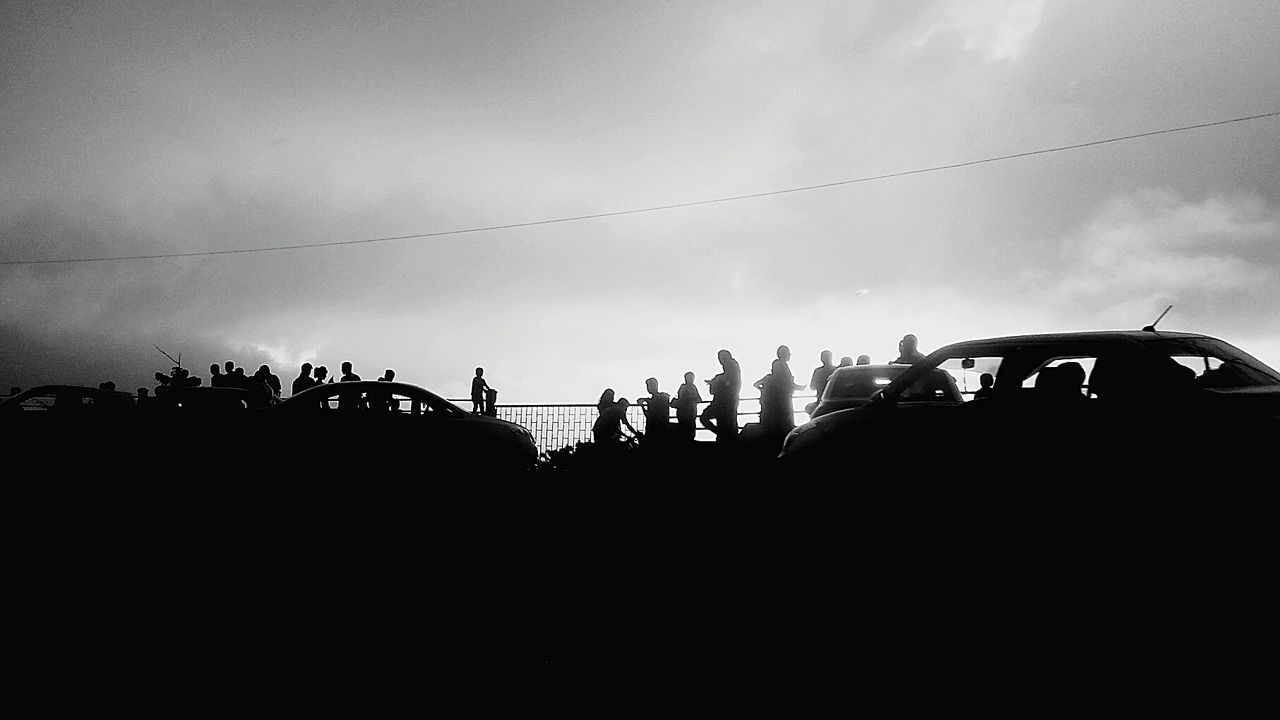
(933, 386)
(1216, 364)
(968, 372)
(858, 384)
(1085, 362)
(38, 403)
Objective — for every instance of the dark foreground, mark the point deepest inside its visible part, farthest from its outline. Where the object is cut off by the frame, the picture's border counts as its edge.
(179, 566)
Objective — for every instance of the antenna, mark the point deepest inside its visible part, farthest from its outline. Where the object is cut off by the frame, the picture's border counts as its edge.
(175, 362)
(1152, 326)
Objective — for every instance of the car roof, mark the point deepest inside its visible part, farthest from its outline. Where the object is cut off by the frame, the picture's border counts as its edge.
(366, 385)
(1096, 336)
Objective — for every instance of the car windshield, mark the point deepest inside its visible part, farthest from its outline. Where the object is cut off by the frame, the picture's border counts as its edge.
(859, 383)
(1216, 364)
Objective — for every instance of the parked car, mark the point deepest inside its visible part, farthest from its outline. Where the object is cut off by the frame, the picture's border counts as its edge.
(852, 387)
(59, 400)
(377, 414)
(203, 400)
(1062, 395)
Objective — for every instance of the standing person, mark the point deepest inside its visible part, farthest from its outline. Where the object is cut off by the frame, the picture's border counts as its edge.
(657, 411)
(777, 415)
(721, 415)
(347, 375)
(908, 352)
(606, 401)
(479, 389)
(265, 375)
(821, 374)
(687, 399)
(303, 381)
(215, 376)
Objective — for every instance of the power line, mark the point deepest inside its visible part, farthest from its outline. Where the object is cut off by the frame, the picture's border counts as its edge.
(654, 208)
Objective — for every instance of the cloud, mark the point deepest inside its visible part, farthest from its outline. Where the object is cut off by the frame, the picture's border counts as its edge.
(994, 29)
(1217, 260)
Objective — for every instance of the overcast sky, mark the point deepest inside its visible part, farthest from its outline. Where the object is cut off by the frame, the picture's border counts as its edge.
(141, 128)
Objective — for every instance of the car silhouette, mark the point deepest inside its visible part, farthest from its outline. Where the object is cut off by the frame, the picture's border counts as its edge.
(852, 387)
(375, 414)
(65, 400)
(1060, 393)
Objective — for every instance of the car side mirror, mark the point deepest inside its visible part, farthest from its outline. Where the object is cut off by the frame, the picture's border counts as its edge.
(967, 363)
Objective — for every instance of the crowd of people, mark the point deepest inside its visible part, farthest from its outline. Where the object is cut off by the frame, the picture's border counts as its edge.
(720, 416)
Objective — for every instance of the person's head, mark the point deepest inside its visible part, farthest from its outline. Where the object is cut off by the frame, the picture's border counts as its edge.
(389, 374)
(987, 380)
(479, 372)
(607, 395)
(724, 356)
(784, 353)
(107, 385)
(264, 370)
(825, 357)
(306, 369)
(689, 377)
(908, 344)
(239, 372)
(346, 368)
(322, 372)
(229, 366)
(215, 369)
(623, 403)
(846, 361)
(864, 360)
(651, 385)
(1071, 376)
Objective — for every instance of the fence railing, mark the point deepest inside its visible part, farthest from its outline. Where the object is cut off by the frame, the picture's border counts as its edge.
(555, 425)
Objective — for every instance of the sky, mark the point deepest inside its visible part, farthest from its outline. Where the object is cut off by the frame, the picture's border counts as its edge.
(133, 128)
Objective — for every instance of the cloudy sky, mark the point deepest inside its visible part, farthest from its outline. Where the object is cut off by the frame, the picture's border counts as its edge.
(146, 128)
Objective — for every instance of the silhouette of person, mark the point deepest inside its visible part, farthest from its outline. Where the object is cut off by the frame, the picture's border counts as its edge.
(107, 385)
(687, 399)
(846, 361)
(863, 360)
(382, 401)
(216, 378)
(821, 374)
(657, 410)
(777, 415)
(607, 429)
(478, 389)
(347, 375)
(987, 380)
(322, 372)
(606, 400)
(908, 352)
(1070, 380)
(303, 381)
(230, 368)
(265, 376)
(721, 414)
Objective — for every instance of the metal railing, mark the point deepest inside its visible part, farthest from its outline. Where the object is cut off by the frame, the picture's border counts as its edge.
(555, 425)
